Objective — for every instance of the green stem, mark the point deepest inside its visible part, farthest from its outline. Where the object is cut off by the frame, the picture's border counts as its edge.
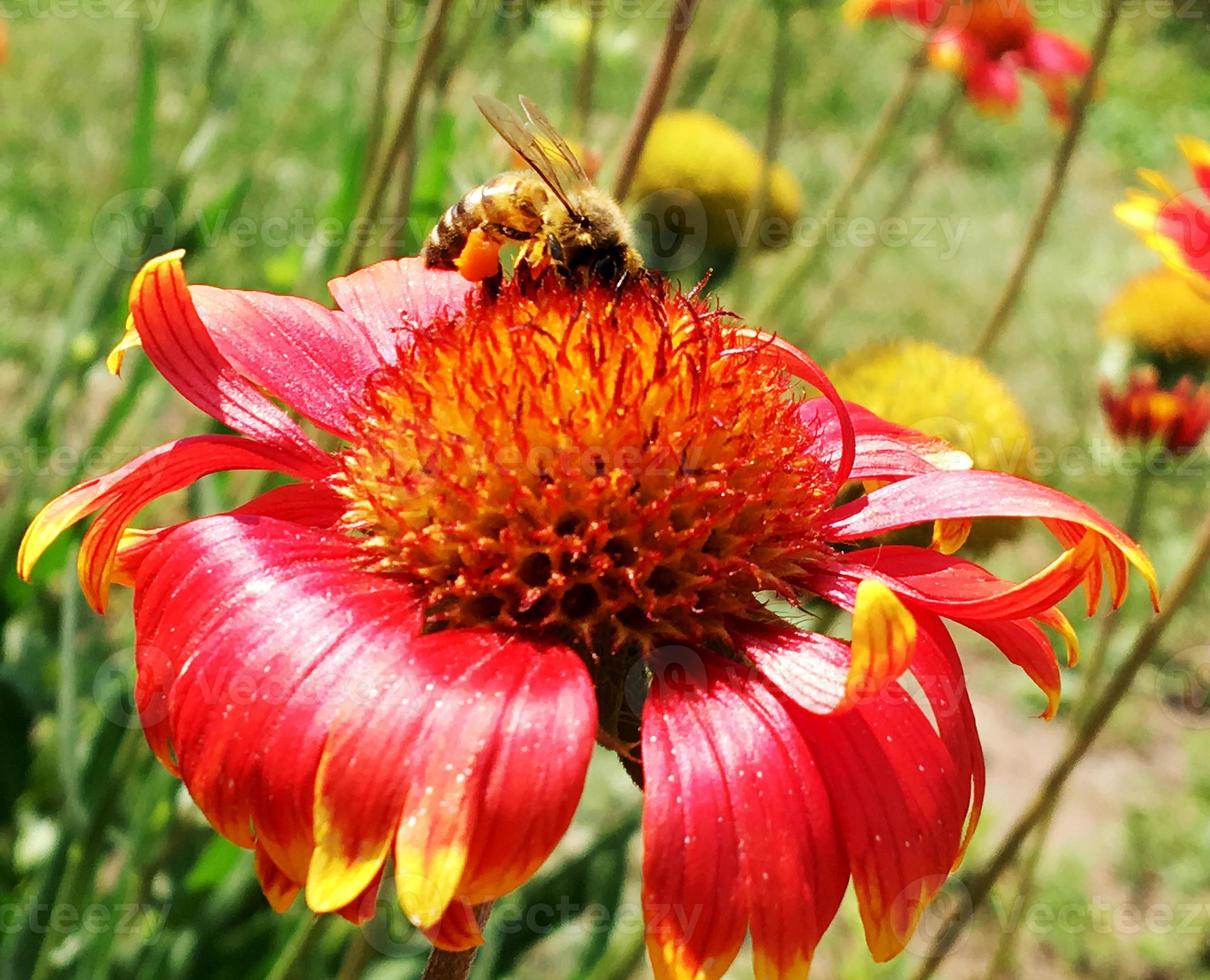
(586, 74)
(655, 91)
(382, 84)
(978, 885)
(65, 709)
(775, 118)
(888, 121)
(296, 949)
(357, 957)
(1054, 190)
(1004, 958)
(924, 162)
(405, 129)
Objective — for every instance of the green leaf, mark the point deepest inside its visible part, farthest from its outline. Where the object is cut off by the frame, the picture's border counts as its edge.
(139, 167)
(430, 190)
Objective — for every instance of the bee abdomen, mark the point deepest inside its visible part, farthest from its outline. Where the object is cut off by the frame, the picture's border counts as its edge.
(448, 237)
(497, 204)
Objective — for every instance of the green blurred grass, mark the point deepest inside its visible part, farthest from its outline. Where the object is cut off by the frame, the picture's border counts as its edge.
(246, 114)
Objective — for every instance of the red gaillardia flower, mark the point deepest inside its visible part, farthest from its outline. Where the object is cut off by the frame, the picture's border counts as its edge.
(555, 516)
(1175, 224)
(1176, 417)
(988, 44)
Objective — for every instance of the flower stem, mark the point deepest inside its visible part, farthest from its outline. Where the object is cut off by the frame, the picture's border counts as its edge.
(1004, 957)
(655, 91)
(888, 121)
(587, 73)
(357, 957)
(295, 950)
(405, 129)
(444, 965)
(382, 85)
(924, 162)
(775, 119)
(1054, 190)
(978, 885)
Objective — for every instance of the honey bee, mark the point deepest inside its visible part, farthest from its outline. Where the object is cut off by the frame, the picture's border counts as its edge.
(553, 211)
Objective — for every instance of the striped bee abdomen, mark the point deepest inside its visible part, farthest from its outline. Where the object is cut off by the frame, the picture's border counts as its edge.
(508, 207)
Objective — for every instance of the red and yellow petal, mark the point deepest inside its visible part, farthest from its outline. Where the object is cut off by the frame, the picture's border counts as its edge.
(181, 348)
(882, 449)
(254, 637)
(121, 494)
(884, 639)
(992, 87)
(900, 800)
(1197, 153)
(498, 775)
(949, 496)
(313, 359)
(727, 775)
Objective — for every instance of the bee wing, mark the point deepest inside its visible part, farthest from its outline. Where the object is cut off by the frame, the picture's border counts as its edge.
(522, 139)
(546, 128)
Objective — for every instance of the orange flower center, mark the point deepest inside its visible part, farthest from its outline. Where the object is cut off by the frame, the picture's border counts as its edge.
(613, 468)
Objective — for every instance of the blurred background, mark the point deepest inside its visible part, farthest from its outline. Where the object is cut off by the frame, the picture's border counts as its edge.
(251, 134)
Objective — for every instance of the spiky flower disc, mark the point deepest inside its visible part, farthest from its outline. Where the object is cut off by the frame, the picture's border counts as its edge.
(1162, 315)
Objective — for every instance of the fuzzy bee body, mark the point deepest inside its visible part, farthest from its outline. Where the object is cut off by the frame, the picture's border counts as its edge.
(507, 208)
(553, 211)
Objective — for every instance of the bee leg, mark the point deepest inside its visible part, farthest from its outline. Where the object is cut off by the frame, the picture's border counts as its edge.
(558, 257)
(498, 230)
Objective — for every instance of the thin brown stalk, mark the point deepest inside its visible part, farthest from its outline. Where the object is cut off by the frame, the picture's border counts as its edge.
(978, 885)
(655, 91)
(1004, 958)
(586, 75)
(775, 118)
(405, 129)
(444, 965)
(888, 121)
(1054, 189)
(382, 82)
(924, 162)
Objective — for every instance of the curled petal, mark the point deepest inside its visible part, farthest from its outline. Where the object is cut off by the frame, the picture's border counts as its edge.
(313, 359)
(882, 449)
(785, 355)
(939, 496)
(884, 638)
(121, 494)
(955, 587)
(1025, 645)
(182, 350)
